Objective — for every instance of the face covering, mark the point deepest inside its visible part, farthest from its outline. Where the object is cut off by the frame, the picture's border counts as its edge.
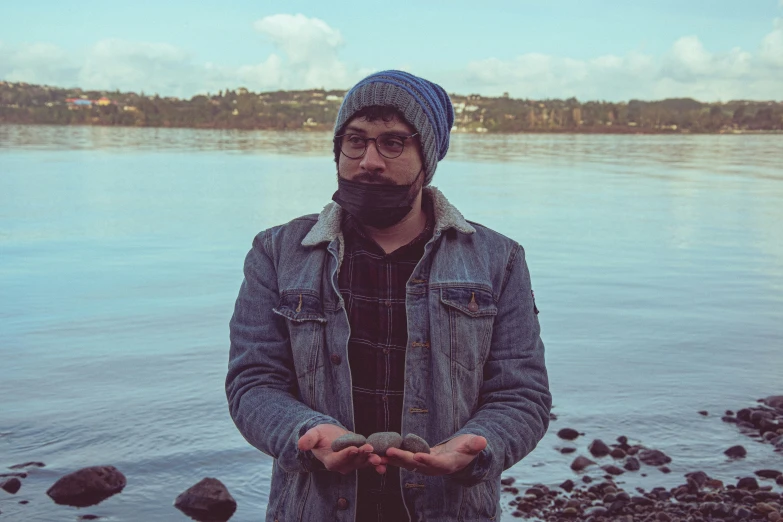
(373, 204)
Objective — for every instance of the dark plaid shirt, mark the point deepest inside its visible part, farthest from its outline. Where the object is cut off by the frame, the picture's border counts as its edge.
(373, 286)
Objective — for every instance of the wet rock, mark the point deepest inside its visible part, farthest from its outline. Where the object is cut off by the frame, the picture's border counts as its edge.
(696, 480)
(580, 463)
(346, 441)
(87, 486)
(568, 485)
(16, 474)
(568, 434)
(88, 517)
(703, 413)
(598, 448)
(28, 465)
(566, 451)
(768, 473)
(415, 444)
(774, 401)
(748, 483)
(736, 452)
(207, 501)
(779, 480)
(664, 469)
(732, 420)
(507, 481)
(617, 453)
(653, 457)
(384, 440)
(11, 485)
(613, 470)
(632, 464)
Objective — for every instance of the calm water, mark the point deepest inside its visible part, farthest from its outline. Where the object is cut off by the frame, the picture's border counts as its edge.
(657, 263)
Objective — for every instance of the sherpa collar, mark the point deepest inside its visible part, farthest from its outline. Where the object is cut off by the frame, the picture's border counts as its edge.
(328, 226)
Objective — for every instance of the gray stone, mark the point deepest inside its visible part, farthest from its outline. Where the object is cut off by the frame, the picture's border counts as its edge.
(384, 440)
(208, 501)
(581, 463)
(11, 485)
(87, 486)
(736, 452)
(415, 444)
(598, 448)
(346, 441)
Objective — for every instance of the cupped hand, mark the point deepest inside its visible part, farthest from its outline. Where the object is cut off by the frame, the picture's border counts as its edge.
(444, 459)
(319, 440)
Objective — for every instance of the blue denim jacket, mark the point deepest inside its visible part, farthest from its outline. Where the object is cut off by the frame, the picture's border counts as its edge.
(475, 363)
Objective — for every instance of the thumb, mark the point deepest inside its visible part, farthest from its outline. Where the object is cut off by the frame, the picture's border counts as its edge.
(474, 445)
(309, 440)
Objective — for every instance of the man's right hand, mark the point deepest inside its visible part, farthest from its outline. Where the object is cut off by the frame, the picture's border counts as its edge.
(319, 441)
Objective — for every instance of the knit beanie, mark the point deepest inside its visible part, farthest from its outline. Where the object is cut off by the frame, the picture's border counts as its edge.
(425, 105)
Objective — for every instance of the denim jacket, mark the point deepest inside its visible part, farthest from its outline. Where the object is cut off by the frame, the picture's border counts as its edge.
(475, 363)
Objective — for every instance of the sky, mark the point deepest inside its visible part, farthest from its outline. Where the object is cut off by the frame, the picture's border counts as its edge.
(614, 50)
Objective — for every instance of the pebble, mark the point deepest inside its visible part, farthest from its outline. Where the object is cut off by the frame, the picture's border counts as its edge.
(568, 434)
(581, 463)
(598, 448)
(384, 440)
(736, 452)
(415, 444)
(346, 441)
(11, 485)
(207, 500)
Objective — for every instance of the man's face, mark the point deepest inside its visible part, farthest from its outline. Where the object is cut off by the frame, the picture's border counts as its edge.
(375, 168)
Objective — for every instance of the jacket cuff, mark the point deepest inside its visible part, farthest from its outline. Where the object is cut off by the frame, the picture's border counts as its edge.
(477, 471)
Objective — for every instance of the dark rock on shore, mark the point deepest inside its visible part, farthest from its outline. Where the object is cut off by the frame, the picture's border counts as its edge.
(207, 501)
(653, 457)
(566, 451)
(598, 448)
(568, 434)
(384, 440)
(736, 452)
(346, 441)
(11, 485)
(87, 486)
(768, 473)
(15, 474)
(580, 463)
(414, 444)
(632, 464)
(28, 465)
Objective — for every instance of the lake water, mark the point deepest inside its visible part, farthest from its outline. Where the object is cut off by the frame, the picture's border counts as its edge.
(657, 263)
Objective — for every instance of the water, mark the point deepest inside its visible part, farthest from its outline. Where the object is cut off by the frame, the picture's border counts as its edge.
(657, 263)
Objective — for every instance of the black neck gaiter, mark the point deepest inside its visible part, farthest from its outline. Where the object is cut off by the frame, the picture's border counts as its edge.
(375, 205)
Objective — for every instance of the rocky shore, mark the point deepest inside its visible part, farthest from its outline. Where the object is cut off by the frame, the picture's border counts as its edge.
(594, 495)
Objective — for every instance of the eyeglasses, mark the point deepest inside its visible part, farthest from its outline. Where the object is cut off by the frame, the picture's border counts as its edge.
(388, 145)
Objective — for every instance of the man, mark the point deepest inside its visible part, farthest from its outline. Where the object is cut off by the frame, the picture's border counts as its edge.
(387, 312)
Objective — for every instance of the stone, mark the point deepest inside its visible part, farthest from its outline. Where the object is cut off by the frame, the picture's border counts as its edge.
(598, 448)
(617, 453)
(384, 440)
(773, 516)
(748, 483)
(415, 444)
(632, 464)
(768, 473)
(568, 485)
(507, 481)
(653, 457)
(703, 413)
(87, 486)
(566, 451)
(11, 485)
(774, 401)
(568, 434)
(580, 463)
(28, 465)
(208, 500)
(348, 440)
(613, 470)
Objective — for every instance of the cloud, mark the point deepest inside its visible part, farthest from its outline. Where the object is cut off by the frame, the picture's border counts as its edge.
(687, 69)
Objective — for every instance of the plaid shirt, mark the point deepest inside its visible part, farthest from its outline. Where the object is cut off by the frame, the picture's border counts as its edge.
(373, 285)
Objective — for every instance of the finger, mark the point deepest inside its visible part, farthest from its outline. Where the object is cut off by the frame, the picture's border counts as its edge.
(309, 440)
(380, 469)
(431, 461)
(474, 445)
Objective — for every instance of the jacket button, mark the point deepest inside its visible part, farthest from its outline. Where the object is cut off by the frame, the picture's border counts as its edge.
(342, 504)
(336, 359)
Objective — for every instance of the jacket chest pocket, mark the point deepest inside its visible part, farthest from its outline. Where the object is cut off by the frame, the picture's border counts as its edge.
(306, 324)
(467, 316)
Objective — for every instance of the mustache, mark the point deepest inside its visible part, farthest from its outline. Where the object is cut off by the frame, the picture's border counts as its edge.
(373, 177)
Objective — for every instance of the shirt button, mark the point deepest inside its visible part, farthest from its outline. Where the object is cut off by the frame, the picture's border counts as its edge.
(342, 504)
(336, 359)
(386, 351)
(387, 303)
(385, 398)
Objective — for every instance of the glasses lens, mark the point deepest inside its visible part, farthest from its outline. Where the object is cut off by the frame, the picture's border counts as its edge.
(353, 146)
(390, 145)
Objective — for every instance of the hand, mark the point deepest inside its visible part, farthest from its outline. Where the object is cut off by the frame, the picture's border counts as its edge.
(319, 441)
(444, 459)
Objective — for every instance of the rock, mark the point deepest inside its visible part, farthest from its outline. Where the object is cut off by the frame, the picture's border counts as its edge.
(11, 485)
(736, 452)
(384, 440)
(774, 401)
(732, 420)
(774, 516)
(28, 465)
(415, 444)
(698, 479)
(779, 480)
(613, 470)
(704, 413)
(748, 483)
(507, 481)
(566, 451)
(208, 500)
(632, 464)
(17, 475)
(568, 434)
(596, 511)
(348, 440)
(87, 486)
(89, 517)
(617, 453)
(598, 448)
(664, 469)
(653, 457)
(580, 463)
(568, 485)
(768, 473)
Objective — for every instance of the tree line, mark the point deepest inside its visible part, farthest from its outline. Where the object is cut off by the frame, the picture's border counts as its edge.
(316, 109)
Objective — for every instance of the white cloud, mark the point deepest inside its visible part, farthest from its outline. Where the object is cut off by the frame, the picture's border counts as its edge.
(687, 69)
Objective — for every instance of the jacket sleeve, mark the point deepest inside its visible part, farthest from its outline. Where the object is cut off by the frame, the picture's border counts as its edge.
(261, 384)
(514, 403)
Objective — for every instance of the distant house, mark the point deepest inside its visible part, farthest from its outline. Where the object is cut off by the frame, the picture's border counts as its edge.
(78, 102)
(103, 101)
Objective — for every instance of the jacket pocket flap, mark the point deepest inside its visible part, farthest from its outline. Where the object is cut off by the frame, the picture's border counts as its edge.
(300, 307)
(475, 302)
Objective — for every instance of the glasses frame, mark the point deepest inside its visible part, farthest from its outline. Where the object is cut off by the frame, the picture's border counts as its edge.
(375, 140)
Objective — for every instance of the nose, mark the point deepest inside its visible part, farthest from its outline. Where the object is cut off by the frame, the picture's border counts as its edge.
(372, 161)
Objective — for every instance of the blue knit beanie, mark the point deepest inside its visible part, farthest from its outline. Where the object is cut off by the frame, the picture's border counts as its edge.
(425, 105)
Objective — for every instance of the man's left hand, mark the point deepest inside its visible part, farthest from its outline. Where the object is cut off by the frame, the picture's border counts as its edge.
(444, 459)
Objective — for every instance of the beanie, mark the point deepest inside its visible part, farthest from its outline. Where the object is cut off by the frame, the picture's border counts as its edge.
(425, 105)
